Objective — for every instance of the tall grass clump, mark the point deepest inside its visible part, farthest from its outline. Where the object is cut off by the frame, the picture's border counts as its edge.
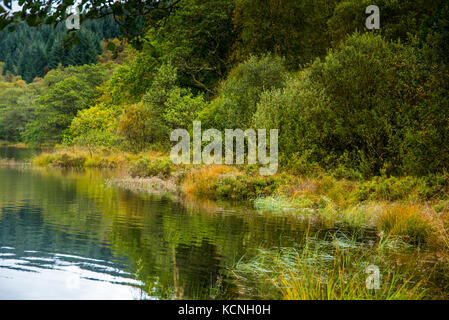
(273, 204)
(203, 181)
(62, 160)
(408, 221)
(145, 167)
(323, 270)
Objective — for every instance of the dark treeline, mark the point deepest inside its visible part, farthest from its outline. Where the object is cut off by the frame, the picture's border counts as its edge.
(345, 98)
(32, 51)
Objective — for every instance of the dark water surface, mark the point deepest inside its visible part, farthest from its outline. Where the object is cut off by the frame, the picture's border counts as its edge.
(70, 235)
(21, 154)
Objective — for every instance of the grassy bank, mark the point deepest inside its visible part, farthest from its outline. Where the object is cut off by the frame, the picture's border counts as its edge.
(12, 144)
(408, 214)
(413, 208)
(329, 268)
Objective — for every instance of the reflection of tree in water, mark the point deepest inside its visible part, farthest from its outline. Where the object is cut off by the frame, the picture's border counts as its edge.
(19, 154)
(172, 248)
(24, 229)
(17, 228)
(196, 270)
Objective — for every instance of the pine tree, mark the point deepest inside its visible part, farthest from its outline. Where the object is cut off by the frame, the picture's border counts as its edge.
(56, 55)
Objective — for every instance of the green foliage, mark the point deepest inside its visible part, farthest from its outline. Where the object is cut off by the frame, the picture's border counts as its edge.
(94, 139)
(197, 40)
(245, 187)
(240, 92)
(400, 20)
(32, 52)
(182, 108)
(163, 108)
(17, 101)
(386, 188)
(364, 106)
(427, 188)
(98, 117)
(435, 34)
(67, 91)
(295, 30)
(377, 103)
(138, 128)
(133, 78)
(95, 127)
(133, 17)
(151, 167)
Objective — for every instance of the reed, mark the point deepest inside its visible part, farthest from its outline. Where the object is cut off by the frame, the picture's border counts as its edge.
(409, 221)
(324, 270)
(203, 181)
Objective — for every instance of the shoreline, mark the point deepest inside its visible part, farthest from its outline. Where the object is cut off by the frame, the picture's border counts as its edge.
(20, 145)
(399, 217)
(414, 209)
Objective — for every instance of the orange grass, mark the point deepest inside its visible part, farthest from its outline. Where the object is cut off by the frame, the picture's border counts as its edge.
(203, 181)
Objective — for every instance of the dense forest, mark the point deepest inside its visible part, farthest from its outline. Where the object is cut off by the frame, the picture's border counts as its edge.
(32, 51)
(343, 97)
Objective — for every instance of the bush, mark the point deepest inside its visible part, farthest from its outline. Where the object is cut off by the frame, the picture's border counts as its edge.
(240, 92)
(203, 181)
(371, 106)
(243, 187)
(67, 161)
(407, 221)
(399, 19)
(164, 107)
(141, 126)
(66, 92)
(389, 189)
(151, 167)
(434, 186)
(394, 188)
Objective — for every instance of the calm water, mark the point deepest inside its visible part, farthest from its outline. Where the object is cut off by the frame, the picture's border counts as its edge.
(69, 235)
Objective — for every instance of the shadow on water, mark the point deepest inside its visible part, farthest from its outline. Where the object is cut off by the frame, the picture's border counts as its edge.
(18, 154)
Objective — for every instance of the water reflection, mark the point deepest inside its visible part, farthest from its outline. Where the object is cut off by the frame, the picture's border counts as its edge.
(41, 275)
(67, 234)
(23, 154)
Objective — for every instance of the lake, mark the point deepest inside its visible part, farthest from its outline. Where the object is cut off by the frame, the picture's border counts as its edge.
(67, 234)
(71, 235)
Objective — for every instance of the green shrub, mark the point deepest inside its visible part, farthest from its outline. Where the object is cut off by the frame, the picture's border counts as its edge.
(434, 186)
(399, 19)
(243, 187)
(300, 164)
(371, 105)
(240, 92)
(151, 167)
(384, 188)
(67, 161)
(164, 107)
(342, 172)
